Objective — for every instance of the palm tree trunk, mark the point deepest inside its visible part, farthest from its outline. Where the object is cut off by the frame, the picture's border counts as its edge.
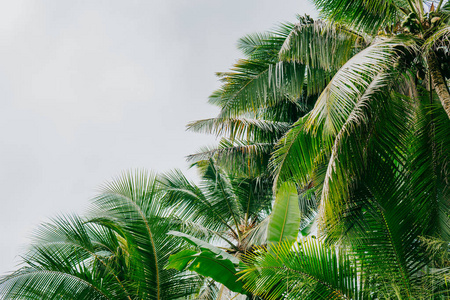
(439, 84)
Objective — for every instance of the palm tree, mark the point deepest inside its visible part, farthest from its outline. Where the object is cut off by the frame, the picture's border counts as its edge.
(375, 146)
(311, 269)
(264, 95)
(352, 110)
(225, 218)
(383, 105)
(119, 252)
(261, 97)
(225, 208)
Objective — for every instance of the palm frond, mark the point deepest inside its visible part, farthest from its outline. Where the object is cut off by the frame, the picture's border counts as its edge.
(241, 128)
(297, 154)
(190, 203)
(309, 270)
(238, 157)
(131, 206)
(338, 99)
(320, 46)
(369, 16)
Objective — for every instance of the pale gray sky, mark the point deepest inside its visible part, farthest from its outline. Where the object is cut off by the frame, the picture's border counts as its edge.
(92, 88)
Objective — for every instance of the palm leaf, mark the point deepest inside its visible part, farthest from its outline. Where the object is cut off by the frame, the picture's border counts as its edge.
(310, 270)
(285, 217)
(366, 15)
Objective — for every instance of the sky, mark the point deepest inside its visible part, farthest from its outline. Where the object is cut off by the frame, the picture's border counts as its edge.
(94, 88)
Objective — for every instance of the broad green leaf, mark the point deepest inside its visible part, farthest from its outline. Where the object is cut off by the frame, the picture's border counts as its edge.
(285, 218)
(209, 264)
(204, 245)
(181, 259)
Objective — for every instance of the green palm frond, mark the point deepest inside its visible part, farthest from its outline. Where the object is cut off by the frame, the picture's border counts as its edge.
(241, 128)
(246, 158)
(321, 46)
(438, 39)
(446, 7)
(369, 16)
(131, 206)
(260, 79)
(69, 257)
(309, 270)
(296, 154)
(34, 283)
(346, 157)
(189, 202)
(338, 99)
(430, 161)
(254, 84)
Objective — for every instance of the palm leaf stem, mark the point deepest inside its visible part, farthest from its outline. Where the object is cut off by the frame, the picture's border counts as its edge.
(226, 240)
(237, 233)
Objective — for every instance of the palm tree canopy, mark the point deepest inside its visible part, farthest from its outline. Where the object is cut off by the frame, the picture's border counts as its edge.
(117, 253)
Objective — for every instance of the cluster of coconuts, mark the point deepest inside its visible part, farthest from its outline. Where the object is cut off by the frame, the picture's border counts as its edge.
(412, 23)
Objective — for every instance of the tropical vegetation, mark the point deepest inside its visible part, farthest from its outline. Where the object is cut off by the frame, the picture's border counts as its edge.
(330, 181)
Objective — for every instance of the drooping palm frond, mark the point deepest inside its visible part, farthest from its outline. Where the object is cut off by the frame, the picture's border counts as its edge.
(297, 154)
(254, 84)
(309, 270)
(260, 45)
(70, 258)
(430, 161)
(246, 158)
(338, 99)
(214, 203)
(347, 155)
(131, 206)
(241, 128)
(440, 38)
(321, 46)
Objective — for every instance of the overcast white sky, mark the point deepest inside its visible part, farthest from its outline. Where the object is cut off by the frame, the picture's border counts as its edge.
(92, 88)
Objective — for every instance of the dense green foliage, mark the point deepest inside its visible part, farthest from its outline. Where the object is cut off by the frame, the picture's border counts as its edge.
(331, 179)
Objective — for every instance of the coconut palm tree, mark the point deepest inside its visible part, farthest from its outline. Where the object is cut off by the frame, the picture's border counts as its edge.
(224, 208)
(385, 103)
(375, 146)
(226, 217)
(259, 100)
(371, 235)
(119, 252)
(264, 95)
